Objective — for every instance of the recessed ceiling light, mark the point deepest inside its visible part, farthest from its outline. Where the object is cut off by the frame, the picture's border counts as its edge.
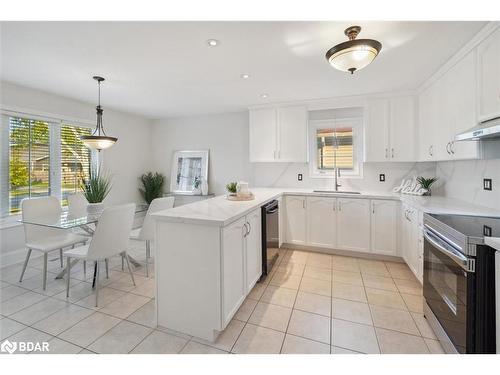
(264, 96)
(245, 76)
(212, 42)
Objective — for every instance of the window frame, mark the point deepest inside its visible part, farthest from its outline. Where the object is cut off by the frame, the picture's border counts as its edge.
(55, 177)
(357, 141)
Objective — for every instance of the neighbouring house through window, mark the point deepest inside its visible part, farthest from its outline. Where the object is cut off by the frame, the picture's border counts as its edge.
(40, 158)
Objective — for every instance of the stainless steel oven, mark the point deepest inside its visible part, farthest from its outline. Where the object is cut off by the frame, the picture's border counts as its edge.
(458, 285)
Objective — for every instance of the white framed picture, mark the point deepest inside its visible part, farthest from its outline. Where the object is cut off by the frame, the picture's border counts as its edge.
(189, 169)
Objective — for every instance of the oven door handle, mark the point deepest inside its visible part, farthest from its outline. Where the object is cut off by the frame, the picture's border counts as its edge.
(272, 211)
(458, 257)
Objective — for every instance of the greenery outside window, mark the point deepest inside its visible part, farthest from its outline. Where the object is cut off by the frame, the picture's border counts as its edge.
(40, 158)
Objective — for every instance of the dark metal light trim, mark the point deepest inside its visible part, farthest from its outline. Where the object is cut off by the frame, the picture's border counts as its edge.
(352, 32)
(98, 133)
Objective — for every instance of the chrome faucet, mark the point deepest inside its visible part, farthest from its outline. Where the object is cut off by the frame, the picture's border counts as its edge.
(336, 170)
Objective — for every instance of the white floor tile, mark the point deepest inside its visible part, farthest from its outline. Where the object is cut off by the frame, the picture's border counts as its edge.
(120, 339)
(160, 343)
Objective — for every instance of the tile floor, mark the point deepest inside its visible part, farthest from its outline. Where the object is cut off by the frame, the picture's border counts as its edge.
(311, 303)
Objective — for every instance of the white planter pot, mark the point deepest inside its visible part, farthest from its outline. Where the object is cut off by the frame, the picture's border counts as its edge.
(204, 187)
(95, 209)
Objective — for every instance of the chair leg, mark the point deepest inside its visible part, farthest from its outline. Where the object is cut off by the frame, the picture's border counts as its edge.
(44, 282)
(148, 255)
(122, 263)
(85, 268)
(25, 265)
(61, 257)
(68, 270)
(96, 282)
(129, 269)
(106, 262)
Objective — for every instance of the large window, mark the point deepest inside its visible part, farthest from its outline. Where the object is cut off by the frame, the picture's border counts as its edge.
(335, 144)
(40, 158)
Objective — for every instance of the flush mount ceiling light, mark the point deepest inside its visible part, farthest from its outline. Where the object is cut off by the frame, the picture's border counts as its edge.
(354, 54)
(245, 76)
(264, 96)
(98, 140)
(212, 42)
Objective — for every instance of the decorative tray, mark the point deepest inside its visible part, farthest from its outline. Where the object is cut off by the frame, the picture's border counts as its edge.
(249, 197)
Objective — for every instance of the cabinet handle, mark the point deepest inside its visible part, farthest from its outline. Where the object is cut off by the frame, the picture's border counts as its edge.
(249, 227)
(431, 150)
(392, 153)
(373, 207)
(333, 206)
(303, 203)
(274, 154)
(452, 144)
(448, 148)
(386, 153)
(340, 206)
(244, 227)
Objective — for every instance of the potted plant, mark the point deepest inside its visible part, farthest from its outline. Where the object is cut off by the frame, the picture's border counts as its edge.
(232, 188)
(152, 186)
(95, 189)
(426, 183)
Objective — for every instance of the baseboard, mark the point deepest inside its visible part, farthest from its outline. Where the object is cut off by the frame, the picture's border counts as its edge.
(355, 254)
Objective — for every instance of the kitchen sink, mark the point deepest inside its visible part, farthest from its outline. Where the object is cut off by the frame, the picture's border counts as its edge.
(336, 192)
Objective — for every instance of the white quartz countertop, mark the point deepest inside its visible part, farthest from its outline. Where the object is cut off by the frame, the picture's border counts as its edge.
(220, 212)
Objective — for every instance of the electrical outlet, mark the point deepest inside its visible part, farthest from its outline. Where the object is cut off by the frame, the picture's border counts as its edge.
(486, 231)
(487, 184)
(381, 177)
(299, 177)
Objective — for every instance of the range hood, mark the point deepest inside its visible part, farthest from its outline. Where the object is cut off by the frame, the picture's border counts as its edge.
(485, 130)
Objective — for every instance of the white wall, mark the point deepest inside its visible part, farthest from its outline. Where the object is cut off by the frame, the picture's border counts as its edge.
(225, 135)
(125, 161)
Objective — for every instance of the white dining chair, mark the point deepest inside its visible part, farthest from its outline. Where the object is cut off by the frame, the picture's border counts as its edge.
(111, 238)
(146, 232)
(43, 238)
(77, 205)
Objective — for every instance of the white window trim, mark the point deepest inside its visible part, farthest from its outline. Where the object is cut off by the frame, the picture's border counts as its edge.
(357, 127)
(55, 124)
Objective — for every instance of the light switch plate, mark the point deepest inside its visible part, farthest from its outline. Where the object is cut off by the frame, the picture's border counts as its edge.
(487, 184)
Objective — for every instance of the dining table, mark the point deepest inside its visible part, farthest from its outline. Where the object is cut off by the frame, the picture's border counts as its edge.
(71, 221)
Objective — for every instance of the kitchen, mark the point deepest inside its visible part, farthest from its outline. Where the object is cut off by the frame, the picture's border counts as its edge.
(314, 203)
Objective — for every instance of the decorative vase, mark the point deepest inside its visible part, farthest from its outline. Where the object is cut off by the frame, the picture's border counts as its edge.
(204, 187)
(95, 209)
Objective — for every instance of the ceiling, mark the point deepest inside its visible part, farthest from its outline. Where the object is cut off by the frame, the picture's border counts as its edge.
(166, 69)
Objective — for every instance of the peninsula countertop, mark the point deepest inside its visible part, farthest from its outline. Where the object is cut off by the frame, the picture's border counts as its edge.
(220, 212)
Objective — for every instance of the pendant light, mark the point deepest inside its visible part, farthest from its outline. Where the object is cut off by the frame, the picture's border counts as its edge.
(354, 54)
(98, 140)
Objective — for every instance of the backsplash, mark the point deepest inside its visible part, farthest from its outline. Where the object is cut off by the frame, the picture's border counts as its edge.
(285, 175)
(464, 180)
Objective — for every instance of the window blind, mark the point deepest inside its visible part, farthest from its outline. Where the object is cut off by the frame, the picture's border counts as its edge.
(29, 160)
(329, 139)
(75, 159)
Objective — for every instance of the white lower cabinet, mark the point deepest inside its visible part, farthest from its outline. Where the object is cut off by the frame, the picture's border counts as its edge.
(353, 224)
(384, 226)
(412, 241)
(322, 221)
(242, 261)
(296, 219)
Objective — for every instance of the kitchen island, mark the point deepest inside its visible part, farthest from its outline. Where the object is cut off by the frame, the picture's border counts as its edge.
(208, 253)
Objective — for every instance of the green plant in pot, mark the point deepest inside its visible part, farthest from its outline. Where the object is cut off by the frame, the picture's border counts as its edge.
(426, 183)
(152, 186)
(95, 189)
(232, 188)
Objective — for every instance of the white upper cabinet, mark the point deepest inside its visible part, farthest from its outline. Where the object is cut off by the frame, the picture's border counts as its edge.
(488, 70)
(353, 224)
(321, 221)
(390, 129)
(263, 134)
(446, 108)
(292, 134)
(278, 134)
(296, 220)
(384, 226)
